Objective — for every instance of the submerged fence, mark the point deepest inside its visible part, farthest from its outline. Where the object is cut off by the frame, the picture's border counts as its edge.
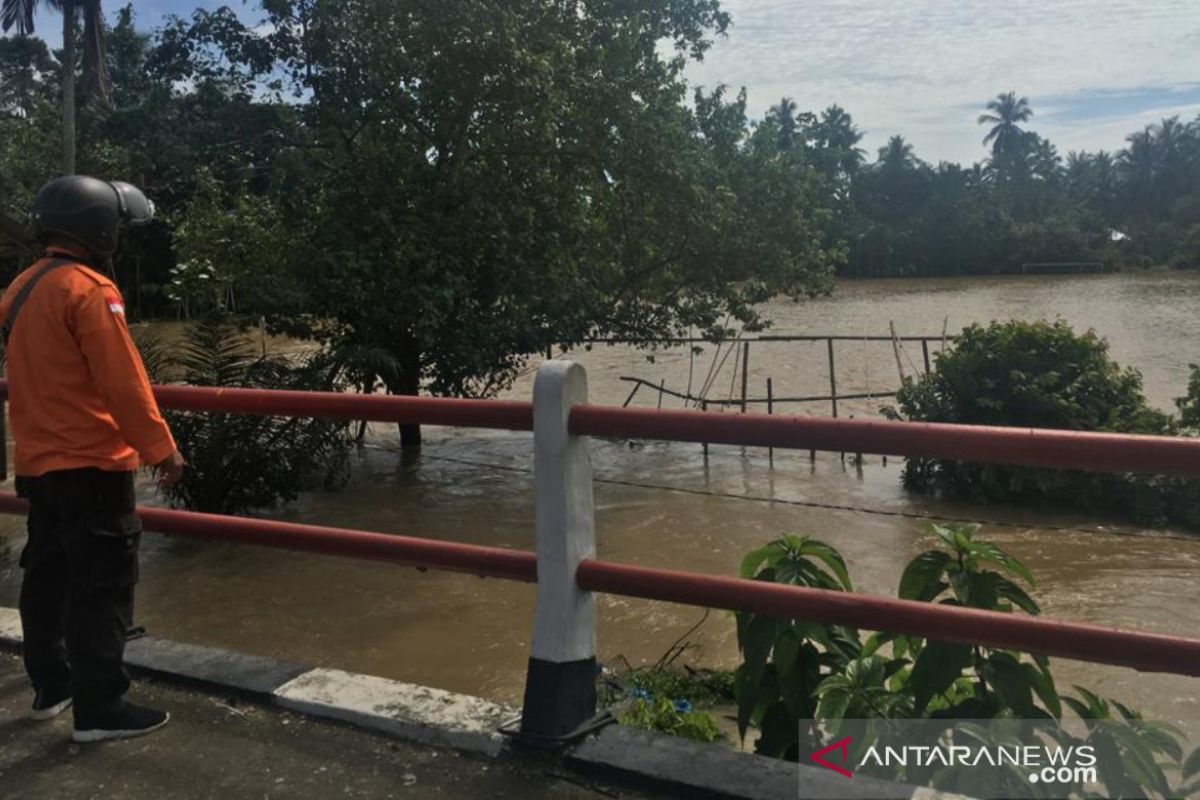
(559, 691)
(741, 347)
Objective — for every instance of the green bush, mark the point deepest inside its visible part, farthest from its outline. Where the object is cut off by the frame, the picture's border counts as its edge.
(1189, 405)
(803, 683)
(664, 716)
(1042, 375)
(238, 462)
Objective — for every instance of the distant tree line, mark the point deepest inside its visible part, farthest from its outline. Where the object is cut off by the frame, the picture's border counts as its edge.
(435, 191)
(1024, 203)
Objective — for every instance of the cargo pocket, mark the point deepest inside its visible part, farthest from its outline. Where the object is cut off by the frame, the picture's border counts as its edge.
(112, 545)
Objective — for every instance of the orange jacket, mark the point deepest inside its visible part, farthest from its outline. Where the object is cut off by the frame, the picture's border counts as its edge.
(78, 389)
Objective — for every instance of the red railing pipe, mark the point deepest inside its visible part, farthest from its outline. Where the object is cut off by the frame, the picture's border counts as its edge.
(491, 562)
(497, 414)
(1149, 652)
(1144, 651)
(1031, 447)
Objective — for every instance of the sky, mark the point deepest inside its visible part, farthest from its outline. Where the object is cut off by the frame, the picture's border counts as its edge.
(1094, 70)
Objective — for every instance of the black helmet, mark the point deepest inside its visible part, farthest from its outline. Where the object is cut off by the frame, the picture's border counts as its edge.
(88, 210)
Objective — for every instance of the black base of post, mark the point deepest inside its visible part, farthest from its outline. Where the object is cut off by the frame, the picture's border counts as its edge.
(560, 698)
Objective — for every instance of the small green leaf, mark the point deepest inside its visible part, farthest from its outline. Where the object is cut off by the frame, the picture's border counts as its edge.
(1043, 684)
(833, 703)
(787, 649)
(1191, 764)
(754, 559)
(832, 559)
(936, 669)
(921, 579)
(1010, 591)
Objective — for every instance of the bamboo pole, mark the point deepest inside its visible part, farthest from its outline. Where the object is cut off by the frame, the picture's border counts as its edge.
(896, 351)
(925, 353)
(833, 395)
(832, 379)
(770, 411)
(661, 386)
(745, 372)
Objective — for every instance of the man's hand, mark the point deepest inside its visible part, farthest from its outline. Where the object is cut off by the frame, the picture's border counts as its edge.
(170, 469)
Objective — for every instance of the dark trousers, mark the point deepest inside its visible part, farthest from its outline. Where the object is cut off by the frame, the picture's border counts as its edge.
(77, 595)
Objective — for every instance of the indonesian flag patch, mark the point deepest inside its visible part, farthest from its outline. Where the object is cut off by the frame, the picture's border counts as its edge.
(114, 304)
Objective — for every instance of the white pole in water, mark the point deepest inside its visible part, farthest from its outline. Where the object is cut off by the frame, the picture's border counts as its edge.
(560, 688)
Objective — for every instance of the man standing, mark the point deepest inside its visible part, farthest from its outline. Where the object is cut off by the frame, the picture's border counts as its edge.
(82, 414)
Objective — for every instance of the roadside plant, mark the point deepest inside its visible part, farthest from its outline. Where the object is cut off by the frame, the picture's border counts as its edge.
(676, 718)
(784, 661)
(803, 683)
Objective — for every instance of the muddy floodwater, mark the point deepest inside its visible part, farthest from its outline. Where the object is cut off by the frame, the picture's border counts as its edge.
(666, 505)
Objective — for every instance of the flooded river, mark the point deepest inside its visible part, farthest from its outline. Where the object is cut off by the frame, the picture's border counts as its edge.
(665, 505)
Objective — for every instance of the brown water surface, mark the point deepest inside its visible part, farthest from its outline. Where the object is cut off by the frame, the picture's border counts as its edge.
(665, 505)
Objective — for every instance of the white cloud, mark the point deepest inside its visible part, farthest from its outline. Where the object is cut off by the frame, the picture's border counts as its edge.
(924, 68)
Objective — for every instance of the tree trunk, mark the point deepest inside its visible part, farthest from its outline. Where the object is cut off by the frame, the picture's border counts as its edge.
(68, 86)
(408, 382)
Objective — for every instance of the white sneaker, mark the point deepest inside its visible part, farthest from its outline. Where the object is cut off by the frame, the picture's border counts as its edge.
(47, 707)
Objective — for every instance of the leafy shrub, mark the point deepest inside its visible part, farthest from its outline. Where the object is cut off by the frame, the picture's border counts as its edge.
(238, 462)
(1189, 405)
(802, 683)
(666, 699)
(1042, 375)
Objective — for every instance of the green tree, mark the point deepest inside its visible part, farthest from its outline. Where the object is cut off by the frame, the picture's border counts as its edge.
(783, 115)
(483, 182)
(19, 14)
(24, 64)
(232, 250)
(1004, 114)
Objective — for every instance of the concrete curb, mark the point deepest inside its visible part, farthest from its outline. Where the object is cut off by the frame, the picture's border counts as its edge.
(416, 713)
(703, 770)
(461, 722)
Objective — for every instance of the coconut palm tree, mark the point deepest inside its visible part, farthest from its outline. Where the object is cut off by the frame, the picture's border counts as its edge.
(897, 154)
(1138, 167)
(19, 14)
(1170, 144)
(784, 116)
(1005, 114)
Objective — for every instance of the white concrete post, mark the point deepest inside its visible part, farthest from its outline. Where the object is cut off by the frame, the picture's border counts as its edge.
(560, 689)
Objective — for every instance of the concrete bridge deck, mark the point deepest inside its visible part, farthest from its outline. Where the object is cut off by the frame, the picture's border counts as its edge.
(220, 746)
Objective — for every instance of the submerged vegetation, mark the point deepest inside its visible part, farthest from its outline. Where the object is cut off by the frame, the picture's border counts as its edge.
(240, 462)
(1044, 375)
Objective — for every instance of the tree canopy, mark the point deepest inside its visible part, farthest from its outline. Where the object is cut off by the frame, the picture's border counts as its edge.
(443, 189)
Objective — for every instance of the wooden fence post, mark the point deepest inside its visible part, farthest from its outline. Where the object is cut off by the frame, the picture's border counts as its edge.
(832, 379)
(745, 372)
(770, 411)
